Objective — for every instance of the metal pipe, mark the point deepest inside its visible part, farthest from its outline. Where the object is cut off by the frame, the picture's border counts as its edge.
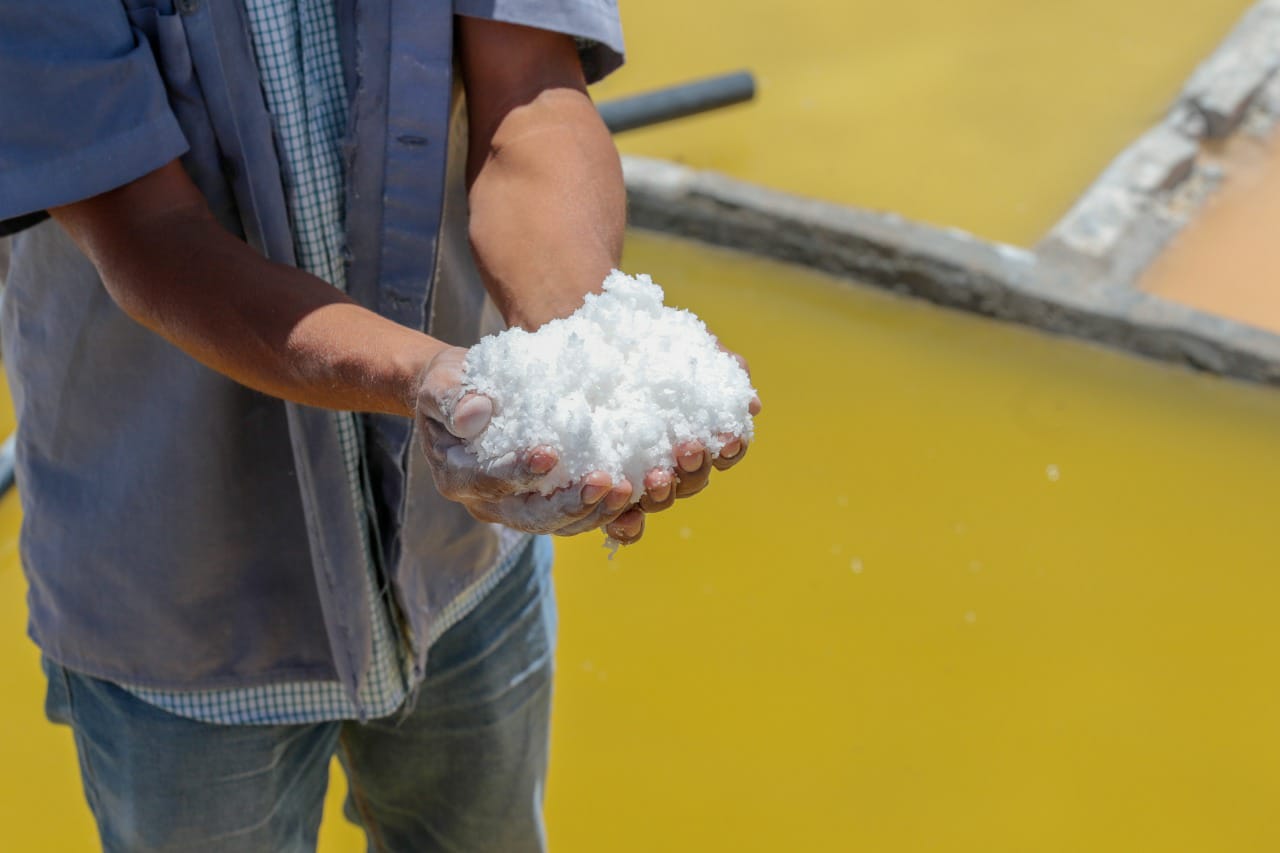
(679, 101)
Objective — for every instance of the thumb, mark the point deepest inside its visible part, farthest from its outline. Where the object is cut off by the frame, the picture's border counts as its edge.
(469, 416)
(443, 398)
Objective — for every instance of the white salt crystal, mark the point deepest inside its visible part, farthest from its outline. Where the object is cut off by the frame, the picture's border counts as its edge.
(614, 387)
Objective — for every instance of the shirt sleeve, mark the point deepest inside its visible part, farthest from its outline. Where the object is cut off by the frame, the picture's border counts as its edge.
(594, 23)
(82, 104)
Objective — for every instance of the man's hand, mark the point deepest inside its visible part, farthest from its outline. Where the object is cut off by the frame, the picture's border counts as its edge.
(508, 494)
(692, 471)
(447, 417)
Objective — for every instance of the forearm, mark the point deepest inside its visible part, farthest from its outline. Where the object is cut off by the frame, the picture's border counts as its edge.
(548, 205)
(268, 326)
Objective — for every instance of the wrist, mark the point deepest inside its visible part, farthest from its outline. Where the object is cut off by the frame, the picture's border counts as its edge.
(411, 366)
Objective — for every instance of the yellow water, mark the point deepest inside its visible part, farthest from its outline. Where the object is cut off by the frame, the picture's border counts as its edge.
(975, 588)
(989, 115)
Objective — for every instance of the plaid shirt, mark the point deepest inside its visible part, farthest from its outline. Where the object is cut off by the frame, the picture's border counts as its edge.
(296, 46)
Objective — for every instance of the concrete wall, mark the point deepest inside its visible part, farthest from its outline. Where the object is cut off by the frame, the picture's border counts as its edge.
(1081, 279)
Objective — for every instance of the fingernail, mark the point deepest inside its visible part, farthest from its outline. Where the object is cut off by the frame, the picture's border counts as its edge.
(691, 462)
(617, 500)
(541, 462)
(471, 415)
(593, 492)
(731, 449)
(659, 494)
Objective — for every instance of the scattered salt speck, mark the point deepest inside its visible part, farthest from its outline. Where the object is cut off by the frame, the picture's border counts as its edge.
(836, 549)
(975, 565)
(1052, 473)
(842, 501)
(970, 617)
(588, 666)
(614, 387)
(855, 566)
(685, 533)
(960, 528)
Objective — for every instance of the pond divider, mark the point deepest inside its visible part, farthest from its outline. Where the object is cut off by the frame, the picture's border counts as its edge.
(1081, 279)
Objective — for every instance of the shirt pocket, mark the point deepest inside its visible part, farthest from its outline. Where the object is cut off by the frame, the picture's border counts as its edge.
(165, 30)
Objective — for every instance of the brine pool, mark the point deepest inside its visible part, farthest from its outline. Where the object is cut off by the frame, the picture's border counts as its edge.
(974, 588)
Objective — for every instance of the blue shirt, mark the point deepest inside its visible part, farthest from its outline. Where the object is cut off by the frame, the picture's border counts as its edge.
(182, 532)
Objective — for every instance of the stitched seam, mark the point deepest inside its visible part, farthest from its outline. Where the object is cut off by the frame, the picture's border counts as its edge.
(371, 829)
(82, 747)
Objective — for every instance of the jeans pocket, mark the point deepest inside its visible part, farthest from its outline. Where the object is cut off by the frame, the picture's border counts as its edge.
(500, 655)
(57, 698)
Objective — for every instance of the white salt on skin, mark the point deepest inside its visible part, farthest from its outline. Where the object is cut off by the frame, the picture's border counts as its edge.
(614, 387)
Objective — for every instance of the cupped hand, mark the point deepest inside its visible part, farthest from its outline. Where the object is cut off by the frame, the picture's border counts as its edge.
(506, 493)
(691, 474)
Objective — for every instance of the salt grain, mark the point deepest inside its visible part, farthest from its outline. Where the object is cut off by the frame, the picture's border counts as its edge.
(614, 387)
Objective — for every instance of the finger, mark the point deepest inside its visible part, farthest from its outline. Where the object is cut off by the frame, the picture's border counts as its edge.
(755, 406)
(688, 456)
(466, 480)
(595, 486)
(617, 502)
(538, 513)
(628, 527)
(459, 474)
(520, 472)
(619, 497)
(461, 477)
(659, 493)
(468, 417)
(690, 482)
(541, 460)
(731, 453)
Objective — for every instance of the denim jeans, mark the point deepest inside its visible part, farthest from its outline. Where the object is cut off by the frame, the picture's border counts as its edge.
(462, 769)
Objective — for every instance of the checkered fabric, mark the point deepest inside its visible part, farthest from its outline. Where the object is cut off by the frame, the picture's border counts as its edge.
(296, 46)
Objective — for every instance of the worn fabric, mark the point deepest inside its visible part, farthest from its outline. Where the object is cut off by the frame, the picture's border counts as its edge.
(462, 768)
(382, 693)
(85, 110)
(295, 43)
(193, 534)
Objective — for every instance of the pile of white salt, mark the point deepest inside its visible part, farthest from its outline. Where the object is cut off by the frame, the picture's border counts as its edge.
(614, 387)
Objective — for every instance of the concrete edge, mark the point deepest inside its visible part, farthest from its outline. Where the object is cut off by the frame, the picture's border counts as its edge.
(1156, 185)
(1080, 280)
(944, 266)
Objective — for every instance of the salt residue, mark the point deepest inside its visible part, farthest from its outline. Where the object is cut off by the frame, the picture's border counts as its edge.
(614, 387)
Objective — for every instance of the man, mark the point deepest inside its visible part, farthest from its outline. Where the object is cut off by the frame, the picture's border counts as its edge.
(269, 215)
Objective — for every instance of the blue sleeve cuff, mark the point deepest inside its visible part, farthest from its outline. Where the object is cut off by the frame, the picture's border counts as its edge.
(594, 23)
(94, 169)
